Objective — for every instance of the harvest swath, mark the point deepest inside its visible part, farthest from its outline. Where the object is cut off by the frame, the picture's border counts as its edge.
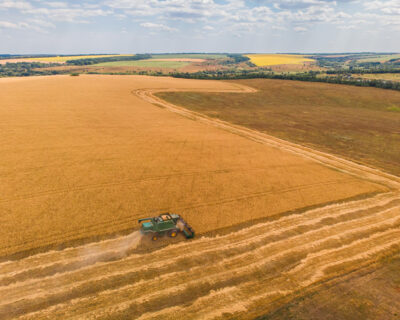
(95, 153)
(262, 60)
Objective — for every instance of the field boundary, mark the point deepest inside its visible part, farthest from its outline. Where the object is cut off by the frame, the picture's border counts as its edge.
(335, 162)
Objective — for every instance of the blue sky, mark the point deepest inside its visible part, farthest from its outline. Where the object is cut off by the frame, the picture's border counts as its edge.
(138, 26)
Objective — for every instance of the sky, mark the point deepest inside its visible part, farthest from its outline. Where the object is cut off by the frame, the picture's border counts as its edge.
(237, 26)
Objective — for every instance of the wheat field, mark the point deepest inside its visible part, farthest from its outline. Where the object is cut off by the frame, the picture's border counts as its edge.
(85, 157)
(263, 60)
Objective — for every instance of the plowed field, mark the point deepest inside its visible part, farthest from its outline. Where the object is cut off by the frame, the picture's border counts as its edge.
(83, 157)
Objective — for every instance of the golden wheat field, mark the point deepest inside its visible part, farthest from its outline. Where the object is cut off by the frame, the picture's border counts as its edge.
(262, 60)
(82, 158)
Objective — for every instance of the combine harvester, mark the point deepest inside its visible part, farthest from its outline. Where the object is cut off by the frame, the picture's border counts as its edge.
(166, 223)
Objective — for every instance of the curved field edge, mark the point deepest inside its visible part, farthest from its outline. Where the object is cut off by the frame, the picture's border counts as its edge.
(332, 118)
(156, 96)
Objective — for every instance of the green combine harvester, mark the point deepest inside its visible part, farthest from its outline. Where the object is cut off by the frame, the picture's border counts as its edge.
(166, 223)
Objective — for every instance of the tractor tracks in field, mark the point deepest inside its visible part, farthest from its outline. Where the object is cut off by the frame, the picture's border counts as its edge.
(120, 183)
(259, 263)
(50, 262)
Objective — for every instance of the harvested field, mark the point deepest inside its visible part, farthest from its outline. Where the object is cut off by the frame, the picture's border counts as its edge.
(369, 293)
(97, 152)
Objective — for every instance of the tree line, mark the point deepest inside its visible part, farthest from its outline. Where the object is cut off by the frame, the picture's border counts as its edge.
(90, 61)
(26, 69)
(310, 76)
(363, 71)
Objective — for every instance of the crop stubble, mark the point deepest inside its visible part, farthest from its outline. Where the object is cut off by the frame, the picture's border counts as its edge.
(91, 155)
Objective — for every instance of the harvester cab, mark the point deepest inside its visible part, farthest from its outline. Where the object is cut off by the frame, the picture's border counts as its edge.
(166, 223)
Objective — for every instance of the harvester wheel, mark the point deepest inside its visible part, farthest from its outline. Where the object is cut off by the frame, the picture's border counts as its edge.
(173, 233)
(154, 238)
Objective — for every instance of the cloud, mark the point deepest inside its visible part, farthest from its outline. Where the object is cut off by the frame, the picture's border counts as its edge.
(9, 4)
(298, 4)
(56, 4)
(391, 7)
(8, 25)
(42, 23)
(31, 24)
(73, 15)
(255, 20)
(300, 29)
(347, 27)
(156, 26)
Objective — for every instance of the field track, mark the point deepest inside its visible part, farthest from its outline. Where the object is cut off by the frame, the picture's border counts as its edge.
(219, 277)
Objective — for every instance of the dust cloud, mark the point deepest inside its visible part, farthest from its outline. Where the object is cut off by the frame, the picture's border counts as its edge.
(110, 250)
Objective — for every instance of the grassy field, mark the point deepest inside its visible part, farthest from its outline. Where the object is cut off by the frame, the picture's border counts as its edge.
(380, 58)
(66, 58)
(189, 56)
(145, 64)
(82, 158)
(263, 60)
(333, 118)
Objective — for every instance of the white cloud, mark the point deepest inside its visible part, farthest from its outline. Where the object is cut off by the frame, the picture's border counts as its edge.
(74, 15)
(9, 25)
(157, 26)
(42, 23)
(31, 24)
(9, 4)
(56, 4)
(300, 29)
(251, 19)
(347, 27)
(391, 7)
